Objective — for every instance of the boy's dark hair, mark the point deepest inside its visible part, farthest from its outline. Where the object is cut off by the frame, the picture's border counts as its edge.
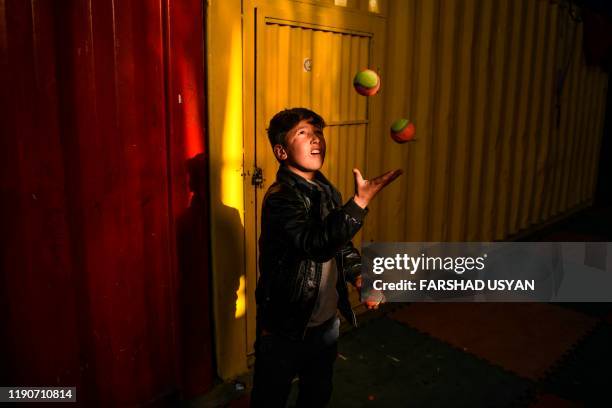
(286, 119)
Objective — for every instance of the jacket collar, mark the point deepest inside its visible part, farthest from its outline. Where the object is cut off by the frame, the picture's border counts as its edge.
(284, 175)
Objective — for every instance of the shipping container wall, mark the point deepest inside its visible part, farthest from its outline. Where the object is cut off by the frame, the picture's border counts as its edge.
(102, 107)
(508, 119)
(508, 122)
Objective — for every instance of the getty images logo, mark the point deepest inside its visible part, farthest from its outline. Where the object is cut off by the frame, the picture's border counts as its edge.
(412, 264)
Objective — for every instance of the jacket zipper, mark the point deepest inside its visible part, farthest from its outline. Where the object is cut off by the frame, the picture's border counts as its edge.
(317, 265)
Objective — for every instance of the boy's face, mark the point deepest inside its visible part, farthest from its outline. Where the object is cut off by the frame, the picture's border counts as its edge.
(304, 147)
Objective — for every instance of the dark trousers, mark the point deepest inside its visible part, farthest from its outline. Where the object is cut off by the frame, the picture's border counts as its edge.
(279, 359)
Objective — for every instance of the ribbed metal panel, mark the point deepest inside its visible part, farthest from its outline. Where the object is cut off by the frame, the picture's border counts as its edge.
(503, 144)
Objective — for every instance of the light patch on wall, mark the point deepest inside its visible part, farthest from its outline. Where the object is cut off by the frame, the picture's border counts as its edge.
(191, 116)
(373, 6)
(241, 298)
(341, 3)
(231, 172)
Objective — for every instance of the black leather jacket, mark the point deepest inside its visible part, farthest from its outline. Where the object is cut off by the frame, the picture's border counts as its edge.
(295, 240)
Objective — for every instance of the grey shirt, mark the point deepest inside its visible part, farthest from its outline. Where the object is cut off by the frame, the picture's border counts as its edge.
(327, 300)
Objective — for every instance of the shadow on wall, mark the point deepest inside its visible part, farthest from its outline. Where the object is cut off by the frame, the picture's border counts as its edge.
(196, 297)
(230, 294)
(195, 302)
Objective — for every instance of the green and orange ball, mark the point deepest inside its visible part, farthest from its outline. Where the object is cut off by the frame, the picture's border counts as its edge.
(402, 131)
(366, 82)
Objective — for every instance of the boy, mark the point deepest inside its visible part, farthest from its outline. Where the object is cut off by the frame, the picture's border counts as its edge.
(306, 258)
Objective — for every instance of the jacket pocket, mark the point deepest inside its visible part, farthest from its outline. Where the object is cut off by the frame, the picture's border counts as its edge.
(287, 284)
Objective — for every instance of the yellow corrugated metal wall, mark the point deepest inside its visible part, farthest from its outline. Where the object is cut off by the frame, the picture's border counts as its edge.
(497, 150)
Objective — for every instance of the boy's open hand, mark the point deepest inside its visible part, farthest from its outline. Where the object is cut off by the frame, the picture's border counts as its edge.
(365, 190)
(374, 302)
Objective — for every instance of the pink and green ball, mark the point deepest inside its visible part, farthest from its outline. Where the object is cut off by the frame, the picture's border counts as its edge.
(366, 82)
(402, 131)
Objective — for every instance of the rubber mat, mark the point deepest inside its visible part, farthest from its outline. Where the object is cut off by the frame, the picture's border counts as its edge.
(584, 373)
(595, 309)
(525, 338)
(552, 401)
(386, 364)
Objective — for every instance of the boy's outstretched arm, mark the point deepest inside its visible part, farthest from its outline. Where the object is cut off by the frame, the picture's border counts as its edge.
(318, 240)
(321, 240)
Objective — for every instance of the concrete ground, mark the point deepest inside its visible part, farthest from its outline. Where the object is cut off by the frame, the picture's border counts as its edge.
(473, 354)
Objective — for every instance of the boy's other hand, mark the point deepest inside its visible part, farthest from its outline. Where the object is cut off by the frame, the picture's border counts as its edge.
(374, 303)
(365, 190)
